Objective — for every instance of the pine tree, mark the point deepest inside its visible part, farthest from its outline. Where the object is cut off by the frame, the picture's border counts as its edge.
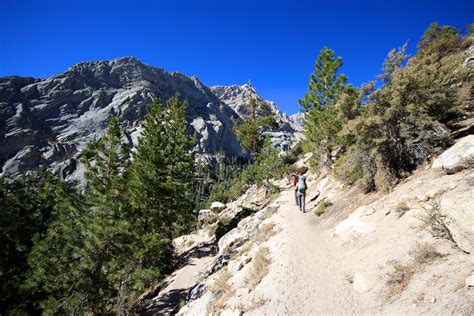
(92, 243)
(322, 122)
(27, 206)
(249, 132)
(161, 172)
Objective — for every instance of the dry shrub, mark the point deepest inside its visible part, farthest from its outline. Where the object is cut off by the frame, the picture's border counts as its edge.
(260, 264)
(262, 235)
(221, 290)
(425, 253)
(220, 283)
(399, 278)
(220, 303)
(245, 248)
(402, 208)
(211, 229)
(401, 274)
(435, 220)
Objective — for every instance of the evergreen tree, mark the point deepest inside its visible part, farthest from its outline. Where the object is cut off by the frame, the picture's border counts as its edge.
(161, 173)
(322, 120)
(403, 120)
(394, 61)
(249, 132)
(85, 260)
(27, 206)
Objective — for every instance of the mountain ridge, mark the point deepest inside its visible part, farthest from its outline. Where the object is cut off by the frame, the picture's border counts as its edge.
(49, 121)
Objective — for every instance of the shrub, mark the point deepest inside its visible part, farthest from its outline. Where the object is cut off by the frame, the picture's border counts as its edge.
(402, 208)
(398, 278)
(319, 210)
(403, 121)
(259, 269)
(435, 220)
(221, 282)
(425, 253)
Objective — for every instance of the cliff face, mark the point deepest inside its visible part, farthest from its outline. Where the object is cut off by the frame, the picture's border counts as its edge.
(47, 122)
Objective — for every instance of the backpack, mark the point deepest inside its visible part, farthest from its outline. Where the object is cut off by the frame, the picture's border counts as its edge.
(293, 180)
(301, 184)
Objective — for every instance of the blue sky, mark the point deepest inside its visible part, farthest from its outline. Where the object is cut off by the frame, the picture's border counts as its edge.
(272, 43)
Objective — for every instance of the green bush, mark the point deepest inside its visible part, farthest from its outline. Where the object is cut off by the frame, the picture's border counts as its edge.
(403, 121)
(321, 208)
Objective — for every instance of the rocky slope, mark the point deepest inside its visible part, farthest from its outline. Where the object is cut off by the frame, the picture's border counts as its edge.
(407, 252)
(237, 97)
(47, 122)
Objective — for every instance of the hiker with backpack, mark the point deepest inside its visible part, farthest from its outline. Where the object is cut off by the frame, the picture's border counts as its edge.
(301, 192)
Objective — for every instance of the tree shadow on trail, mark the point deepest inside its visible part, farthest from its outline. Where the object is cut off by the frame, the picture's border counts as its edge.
(204, 249)
(168, 304)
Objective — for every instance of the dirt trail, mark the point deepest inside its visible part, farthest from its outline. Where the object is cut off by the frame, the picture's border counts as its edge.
(300, 281)
(312, 271)
(175, 292)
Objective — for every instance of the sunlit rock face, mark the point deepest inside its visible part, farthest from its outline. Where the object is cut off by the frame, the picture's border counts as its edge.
(47, 122)
(290, 127)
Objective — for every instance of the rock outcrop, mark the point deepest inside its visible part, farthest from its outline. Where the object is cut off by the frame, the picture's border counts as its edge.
(457, 209)
(460, 156)
(290, 127)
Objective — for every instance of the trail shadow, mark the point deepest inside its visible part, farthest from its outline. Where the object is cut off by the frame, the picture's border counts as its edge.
(203, 249)
(168, 304)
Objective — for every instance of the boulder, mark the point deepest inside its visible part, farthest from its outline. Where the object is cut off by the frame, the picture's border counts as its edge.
(353, 228)
(206, 216)
(362, 283)
(249, 224)
(460, 156)
(199, 306)
(217, 207)
(234, 266)
(231, 238)
(456, 205)
(195, 292)
(220, 262)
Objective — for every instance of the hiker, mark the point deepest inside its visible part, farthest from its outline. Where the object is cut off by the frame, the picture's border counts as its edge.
(293, 182)
(301, 192)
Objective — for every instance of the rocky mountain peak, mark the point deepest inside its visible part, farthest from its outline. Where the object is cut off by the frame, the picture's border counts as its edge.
(237, 97)
(49, 121)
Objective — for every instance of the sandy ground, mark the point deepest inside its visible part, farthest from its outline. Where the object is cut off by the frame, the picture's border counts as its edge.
(312, 270)
(306, 274)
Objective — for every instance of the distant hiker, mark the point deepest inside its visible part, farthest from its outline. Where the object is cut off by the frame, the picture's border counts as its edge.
(293, 182)
(301, 192)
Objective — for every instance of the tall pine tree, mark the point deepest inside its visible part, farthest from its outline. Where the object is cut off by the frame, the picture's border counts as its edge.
(162, 171)
(322, 122)
(85, 260)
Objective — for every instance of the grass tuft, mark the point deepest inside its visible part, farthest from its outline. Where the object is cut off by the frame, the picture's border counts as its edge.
(402, 208)
(260, 264)
(320, 209)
